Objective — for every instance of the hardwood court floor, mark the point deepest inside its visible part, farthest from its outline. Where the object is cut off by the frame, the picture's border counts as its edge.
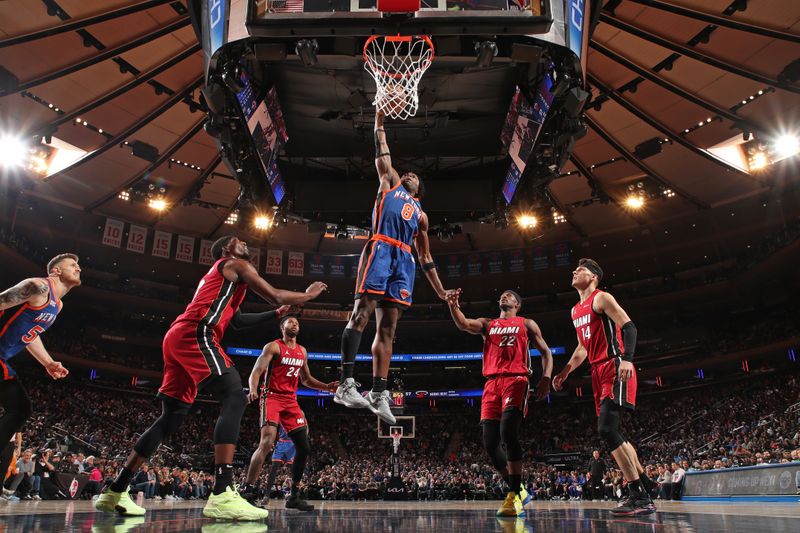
(457, 516)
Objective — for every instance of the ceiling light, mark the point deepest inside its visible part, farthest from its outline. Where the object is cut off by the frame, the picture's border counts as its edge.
(758, 160)
(233, 218)
(262, 222)
(635, 201)
(124, 195)
(527, 221)
(13, 151)
(787, 145)
(158, 204)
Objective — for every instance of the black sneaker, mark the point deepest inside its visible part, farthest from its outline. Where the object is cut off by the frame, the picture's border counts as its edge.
(249, 493)
(635, 505)
(296, 502)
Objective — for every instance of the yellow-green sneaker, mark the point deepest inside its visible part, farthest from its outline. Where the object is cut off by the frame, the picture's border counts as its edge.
(524, 497)
(512, 506)
(231, 506)
(118, 502)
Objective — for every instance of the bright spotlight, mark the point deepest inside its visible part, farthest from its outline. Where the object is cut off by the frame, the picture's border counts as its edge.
(787, 145)
(527, 221)
(634, 201)
(262, 222)
(758, 160)
(233, 218)
(13, 151)
(158, 204)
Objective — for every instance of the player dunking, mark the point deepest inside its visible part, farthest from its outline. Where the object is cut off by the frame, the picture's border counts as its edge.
(285, 362)
(385, 278)
(504, 403)
(607, 336)
(194, 360)
(40, 301)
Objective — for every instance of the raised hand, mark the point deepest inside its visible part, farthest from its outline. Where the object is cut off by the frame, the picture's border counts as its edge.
(451, 297)
(332, 386)
(284, 310)
(316, 288)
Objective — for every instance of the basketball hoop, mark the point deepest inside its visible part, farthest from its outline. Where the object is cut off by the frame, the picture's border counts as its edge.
(397, 63)
(396, 436)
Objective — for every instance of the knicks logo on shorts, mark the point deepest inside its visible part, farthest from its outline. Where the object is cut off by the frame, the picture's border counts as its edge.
(301, 420)
(404, 294)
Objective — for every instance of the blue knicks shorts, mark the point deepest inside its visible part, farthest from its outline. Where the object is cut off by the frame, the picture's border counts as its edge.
(284, 452)
(386, 272)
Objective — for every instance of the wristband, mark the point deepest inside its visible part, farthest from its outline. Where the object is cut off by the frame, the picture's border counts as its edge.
(428, 266)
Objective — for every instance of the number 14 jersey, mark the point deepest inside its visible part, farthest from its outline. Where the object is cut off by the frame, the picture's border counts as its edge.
(284, 370)
(505, 347)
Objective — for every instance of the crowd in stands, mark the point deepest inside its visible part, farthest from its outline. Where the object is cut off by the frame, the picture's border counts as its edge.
(84, 428)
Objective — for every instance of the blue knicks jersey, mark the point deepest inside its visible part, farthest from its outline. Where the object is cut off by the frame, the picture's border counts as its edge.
(26, 324)
(396, 215)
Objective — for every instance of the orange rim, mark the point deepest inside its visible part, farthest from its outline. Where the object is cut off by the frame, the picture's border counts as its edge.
(398, 38)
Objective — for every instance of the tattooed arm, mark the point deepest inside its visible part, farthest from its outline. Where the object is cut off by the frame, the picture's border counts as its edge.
(24, 291)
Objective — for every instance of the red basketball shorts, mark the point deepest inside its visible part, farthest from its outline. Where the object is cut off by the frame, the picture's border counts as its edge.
(283, 409)
(605, 384)
(191, 357)
(504, 392)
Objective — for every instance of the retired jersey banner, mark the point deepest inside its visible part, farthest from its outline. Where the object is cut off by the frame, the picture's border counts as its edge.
(296, 263)
(338, 266)
(185, 251)
(137, 237)
(316, 265)
(516, 261)
(162, 242)
(540, 259)
(562, 255)
(205, 257)
(494, 262)
(474, 265)
(255, 257)
(453, 266)
(274, 262)
(112, 235)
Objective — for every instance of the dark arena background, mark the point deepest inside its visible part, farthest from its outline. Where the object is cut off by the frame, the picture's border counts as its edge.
(658, 137)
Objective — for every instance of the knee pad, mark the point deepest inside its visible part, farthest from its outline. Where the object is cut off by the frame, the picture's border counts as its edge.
(608, 425)
(230, 417)
(302, 445)
(510, 423)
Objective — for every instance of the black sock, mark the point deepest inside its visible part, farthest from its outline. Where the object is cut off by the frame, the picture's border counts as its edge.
(294, 490)
(636, 487)
(223, 477)
(379, 384)
(647, 483)
(514, 481)
(122, 481)
(351, 340)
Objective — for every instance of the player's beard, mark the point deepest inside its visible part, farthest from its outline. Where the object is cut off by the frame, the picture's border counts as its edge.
(506, 307)
(292, 334)
(246, 255)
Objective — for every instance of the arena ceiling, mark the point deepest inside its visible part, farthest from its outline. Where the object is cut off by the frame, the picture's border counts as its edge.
(685, 75)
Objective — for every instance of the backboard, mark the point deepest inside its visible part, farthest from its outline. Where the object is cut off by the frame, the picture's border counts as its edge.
(406, 424)
(329, 18)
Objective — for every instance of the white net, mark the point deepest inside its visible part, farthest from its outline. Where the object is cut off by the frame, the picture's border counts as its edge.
(396, 441)
(397, 64)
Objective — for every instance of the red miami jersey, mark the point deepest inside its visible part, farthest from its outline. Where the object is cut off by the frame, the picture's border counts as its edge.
(215, 301)
(284, 370)
(505, 347)
(597, 332)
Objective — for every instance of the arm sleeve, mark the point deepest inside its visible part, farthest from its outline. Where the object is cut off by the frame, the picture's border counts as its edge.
(629, 334)
(247, 320)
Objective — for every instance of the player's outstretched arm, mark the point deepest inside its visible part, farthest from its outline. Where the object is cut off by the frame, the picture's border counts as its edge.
(476, 326)
(578, 356)
(240, 270)
(423, 246)
(22, 292)
(262, 364)
(248, 320)
(535, 334)
(607, 304)
(39, 352)
(383, 159)
(313, 383)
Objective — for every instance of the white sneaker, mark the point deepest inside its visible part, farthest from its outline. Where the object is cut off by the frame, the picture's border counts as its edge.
(347, 394)
(37, 497)
(379, 404)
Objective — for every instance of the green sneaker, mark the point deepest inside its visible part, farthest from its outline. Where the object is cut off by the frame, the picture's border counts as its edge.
(231, 506)
(118, 502)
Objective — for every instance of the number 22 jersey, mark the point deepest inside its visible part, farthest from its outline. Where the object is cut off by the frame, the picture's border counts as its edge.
(505, 347)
